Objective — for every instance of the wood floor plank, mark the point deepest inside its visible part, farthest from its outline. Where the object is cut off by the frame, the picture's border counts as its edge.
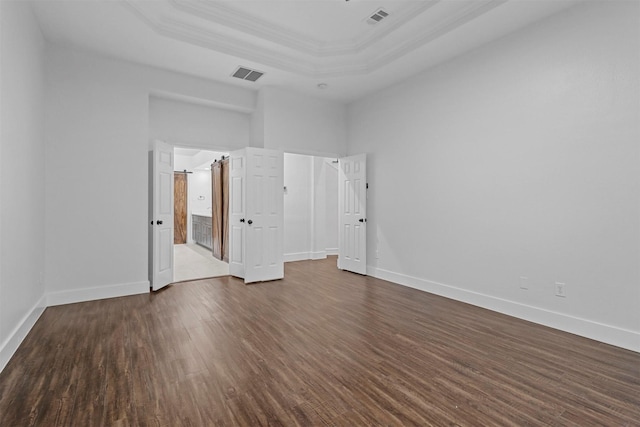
(322, 347)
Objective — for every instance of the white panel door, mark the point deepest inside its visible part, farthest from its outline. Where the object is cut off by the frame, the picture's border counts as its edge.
(161, 221)
(256, 214)
(265, 215)
(237, 221)
(352, 205)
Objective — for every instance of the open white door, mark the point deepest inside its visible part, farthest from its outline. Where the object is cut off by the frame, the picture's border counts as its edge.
(352, 217)
(161, 221)
(237, 182)
(256, 214)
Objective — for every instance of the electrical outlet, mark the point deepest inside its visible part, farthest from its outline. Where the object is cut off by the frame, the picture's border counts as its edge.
(524, 284)
(561, 290)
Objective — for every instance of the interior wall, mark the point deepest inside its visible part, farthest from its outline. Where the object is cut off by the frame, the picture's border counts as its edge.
(200, 191)
(297, 206)
(97, 135)
(297, 123)
(331, 208)
(182, 123)
(517, 159)
(307, 202)
(257, 122)
(22, 183)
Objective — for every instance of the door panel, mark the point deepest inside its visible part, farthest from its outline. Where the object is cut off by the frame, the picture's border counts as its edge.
(237, 173)
(261, 204)
(161, 221)
(180, 208)
(352, 197)
(216, 210)
(225, 209)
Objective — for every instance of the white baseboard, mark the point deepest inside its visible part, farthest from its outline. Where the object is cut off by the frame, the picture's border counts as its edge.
(587, 328)
(301, 256)
(319, 255)
(297, 256)
(96, 293)
(11, 344)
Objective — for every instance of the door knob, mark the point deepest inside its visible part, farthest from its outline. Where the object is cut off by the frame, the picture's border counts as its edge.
(241, 219)
(159, 222)
(362, 220)
(249, 222)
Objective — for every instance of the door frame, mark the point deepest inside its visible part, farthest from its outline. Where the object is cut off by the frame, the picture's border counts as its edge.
(187, 145)
(150, 195)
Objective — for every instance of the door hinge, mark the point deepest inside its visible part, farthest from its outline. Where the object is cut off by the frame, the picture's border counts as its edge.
(367, 187)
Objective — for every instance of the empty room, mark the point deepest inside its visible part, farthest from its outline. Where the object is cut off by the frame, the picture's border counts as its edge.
(425, 212)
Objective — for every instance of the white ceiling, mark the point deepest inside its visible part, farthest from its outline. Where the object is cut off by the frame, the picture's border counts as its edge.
(297, 43)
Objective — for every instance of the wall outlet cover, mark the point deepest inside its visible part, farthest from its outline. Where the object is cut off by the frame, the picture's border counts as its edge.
(561, 290)
(524, 282)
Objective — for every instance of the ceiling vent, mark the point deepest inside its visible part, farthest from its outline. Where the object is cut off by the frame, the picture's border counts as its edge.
(378, 16)
(247, 74)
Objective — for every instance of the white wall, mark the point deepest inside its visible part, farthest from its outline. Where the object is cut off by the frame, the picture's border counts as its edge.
(200, 191)
(307, 203)
(331, 208)
(97, 138)
(300, 124)
(297, 206)
(192, 125)
(22, 185)
(518, 159)
(257, 122)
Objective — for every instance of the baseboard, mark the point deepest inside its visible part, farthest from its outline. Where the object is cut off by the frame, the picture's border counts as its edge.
(297, 256)
(11, 344)
(301, 256)
(608, 334)
(96, 293)
(318, 255)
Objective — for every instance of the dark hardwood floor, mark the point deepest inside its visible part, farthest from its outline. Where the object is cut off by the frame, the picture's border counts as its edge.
(322, 347)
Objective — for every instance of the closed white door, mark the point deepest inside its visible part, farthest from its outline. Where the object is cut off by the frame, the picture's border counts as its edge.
(256, 219)
(161, 215)
(352, 205)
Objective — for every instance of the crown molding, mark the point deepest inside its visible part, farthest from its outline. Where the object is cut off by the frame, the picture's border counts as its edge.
(308, 58)
(208, 39)
(464, 16)
(221, 14)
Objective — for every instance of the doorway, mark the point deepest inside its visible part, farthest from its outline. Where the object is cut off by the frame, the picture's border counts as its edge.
(310, 221)
(195, 216)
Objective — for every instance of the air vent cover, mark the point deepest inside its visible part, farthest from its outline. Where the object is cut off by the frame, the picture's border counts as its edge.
(247, 74)
(378, 16)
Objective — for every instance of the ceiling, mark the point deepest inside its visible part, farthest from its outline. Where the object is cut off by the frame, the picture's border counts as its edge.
(298, 44)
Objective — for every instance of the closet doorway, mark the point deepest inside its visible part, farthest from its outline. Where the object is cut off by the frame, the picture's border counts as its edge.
(199, 215)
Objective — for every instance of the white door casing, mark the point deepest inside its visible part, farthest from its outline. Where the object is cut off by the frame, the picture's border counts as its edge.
(256, 218)
(352, 204)
(161, 221)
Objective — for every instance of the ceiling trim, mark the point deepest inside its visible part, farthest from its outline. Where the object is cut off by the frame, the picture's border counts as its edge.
(360, 61)
(469, 13)
(230, 17)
